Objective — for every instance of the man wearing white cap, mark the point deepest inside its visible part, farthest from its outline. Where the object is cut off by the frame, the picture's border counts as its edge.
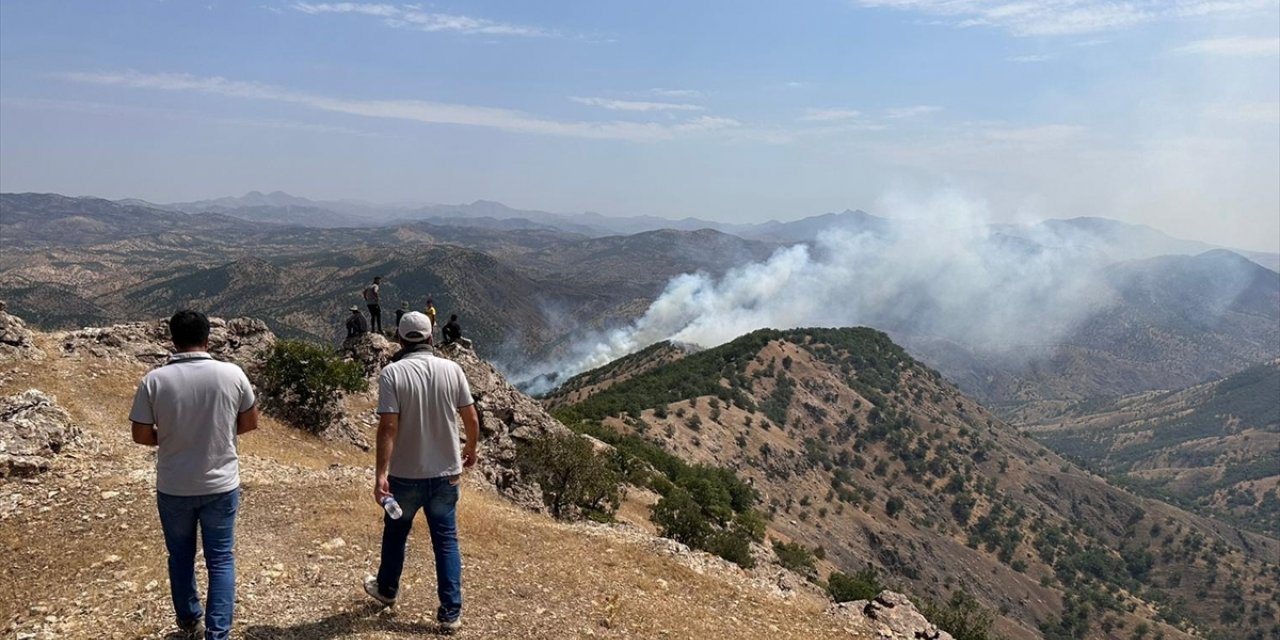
(420, 462)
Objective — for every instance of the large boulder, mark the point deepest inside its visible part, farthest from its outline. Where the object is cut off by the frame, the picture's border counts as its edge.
(371, 350)
(33, 430)
(236, 340)
(507, 418)
(17, 342)
(890, 615)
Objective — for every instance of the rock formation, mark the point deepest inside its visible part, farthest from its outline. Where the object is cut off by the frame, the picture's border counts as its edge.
(16, 340)
(33, 430)
(236, 340)
(892, 616)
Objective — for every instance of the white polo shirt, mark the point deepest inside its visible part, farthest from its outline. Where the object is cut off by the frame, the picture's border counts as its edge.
(194, 401)
(426, 391)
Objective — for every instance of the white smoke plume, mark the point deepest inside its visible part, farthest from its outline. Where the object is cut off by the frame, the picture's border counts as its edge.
(946, 274)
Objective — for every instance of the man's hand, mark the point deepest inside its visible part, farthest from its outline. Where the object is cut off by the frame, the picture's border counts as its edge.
(469, 456)
(381, 488)
(471, 422)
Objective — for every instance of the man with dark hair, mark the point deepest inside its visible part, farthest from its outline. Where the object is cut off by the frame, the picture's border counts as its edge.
(373, 299)
(420, 462)
(452, 330)
(192, 409)
(356, 325)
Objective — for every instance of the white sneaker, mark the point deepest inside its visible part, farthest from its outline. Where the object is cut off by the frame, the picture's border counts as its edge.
(371, 588)
(449, 626)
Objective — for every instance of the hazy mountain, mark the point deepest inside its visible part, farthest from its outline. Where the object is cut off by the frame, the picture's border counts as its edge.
(1213, 447)
(37, 220)
(864, 453)
(807, 229)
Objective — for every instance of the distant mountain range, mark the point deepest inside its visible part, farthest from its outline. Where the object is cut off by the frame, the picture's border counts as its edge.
(530, 293)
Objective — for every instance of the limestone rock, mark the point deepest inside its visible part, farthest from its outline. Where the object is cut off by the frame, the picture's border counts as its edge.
(236, 340)
(507, 417)
(373, 351)
(891, 615)
(16, 340)
(33, 429)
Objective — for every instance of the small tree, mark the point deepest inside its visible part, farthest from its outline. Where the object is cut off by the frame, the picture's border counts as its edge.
(863, 585)
(302, 383)
(962, 617)
(573, 477)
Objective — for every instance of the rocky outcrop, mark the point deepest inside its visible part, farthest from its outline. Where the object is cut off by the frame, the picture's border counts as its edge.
(236, 340)
(507, 418)
(17, 342)
(371, 350)
(33, 430)
(892, 616)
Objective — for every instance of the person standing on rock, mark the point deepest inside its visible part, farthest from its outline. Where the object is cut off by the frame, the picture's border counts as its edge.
(420, 462)
(373, 299)
(192, 409)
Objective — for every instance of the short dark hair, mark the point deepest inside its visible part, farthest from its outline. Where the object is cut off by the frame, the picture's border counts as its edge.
(189, 328)
(453, 317)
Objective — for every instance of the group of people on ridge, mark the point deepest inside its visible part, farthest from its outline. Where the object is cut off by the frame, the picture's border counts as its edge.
(193, 408)
(357, 326)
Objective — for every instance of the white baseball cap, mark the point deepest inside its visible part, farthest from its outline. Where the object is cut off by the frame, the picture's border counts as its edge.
(415, 326)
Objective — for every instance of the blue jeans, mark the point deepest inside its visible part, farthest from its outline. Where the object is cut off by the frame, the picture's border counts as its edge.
(216, 516)
(438, 499)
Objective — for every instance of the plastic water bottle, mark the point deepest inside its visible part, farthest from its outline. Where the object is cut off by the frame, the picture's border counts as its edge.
(392, 507)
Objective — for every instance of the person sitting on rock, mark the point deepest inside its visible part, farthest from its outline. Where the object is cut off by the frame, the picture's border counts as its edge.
(452, 331)
(404, 308)
(356, 324)
(192, 409)
(420, 462)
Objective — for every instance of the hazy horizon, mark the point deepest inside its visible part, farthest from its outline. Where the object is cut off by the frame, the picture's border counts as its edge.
(1163, 112)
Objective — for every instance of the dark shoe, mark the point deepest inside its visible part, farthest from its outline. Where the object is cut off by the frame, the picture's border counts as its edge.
(192, 628)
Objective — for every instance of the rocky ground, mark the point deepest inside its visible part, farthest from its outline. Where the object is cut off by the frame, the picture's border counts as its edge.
(84, 557)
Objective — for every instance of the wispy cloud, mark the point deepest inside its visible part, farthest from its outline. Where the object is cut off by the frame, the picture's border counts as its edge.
(1034, 57)
(1049, 134)
(830, 115)
(108, 109)
(413, 17)
(687, 94)
(1247, 113)
(912, 111)
(1236, 47)
(411, 110)
(1066, 17)
(634, 105)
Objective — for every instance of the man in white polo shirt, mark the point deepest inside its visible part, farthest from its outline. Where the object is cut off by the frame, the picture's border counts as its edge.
(420, 462)
(192, 409)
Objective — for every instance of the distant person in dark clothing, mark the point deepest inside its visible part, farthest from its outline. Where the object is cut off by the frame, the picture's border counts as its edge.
(452, 331)
(373, 299)
(356, 325)
(404, 308)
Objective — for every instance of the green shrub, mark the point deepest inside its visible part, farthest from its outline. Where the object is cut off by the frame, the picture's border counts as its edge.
(795, 557)
(573, 477)
(863, 585)
(962, 617)
(302, 383)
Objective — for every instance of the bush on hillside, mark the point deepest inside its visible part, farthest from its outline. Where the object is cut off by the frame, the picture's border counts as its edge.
(302, 383)
(795, 557)
(863, 585)
(573, 477)
(962, 617)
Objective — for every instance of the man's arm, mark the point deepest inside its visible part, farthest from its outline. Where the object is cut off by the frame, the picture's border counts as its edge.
(472, 424)
(388, 426)
(145, 434)
(247, 421)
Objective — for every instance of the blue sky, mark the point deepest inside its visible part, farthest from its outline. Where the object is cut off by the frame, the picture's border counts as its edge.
(1162, 112)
